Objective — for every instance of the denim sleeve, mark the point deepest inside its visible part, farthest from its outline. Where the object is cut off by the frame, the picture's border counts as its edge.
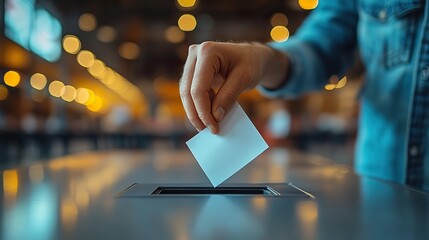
(324, 45)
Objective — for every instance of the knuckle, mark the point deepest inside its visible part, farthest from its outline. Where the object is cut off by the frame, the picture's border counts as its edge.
(192, 47)
(208, 46)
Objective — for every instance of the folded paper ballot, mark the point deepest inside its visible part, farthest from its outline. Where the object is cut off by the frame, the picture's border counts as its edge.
(236, 144)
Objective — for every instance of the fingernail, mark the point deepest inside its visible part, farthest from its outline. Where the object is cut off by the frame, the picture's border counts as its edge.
(219, 114)
(211, 128)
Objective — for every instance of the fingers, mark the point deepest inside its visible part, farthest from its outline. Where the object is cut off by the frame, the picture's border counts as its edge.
(206, 69)
(185, 89)
(228, 93)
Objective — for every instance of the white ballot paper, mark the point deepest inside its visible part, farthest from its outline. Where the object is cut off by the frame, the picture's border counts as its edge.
(236, 144)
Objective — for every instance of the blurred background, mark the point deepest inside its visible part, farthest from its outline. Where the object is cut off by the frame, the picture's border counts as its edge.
(88, 75)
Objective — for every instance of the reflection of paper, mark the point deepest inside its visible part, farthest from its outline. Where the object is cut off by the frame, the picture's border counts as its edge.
(237, 143)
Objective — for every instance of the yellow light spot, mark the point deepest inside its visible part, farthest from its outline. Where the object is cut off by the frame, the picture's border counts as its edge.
(330, 86)
(174, 35)
(71, 44)
(129, 50)
(87, 22)
(91, 98)
(97, 105)
(36, 173)
(279, 33)
(85, 58)
(68, 212)
(82, 95)
(56, 88)
(109, 77)
(342, 82)
(68, 93)
(38, 81)
(10, 182)
(187, 22)
(308, 4)
(12, 78)
(3, 92)
(279, 19)
(98, 69)
(186, 3)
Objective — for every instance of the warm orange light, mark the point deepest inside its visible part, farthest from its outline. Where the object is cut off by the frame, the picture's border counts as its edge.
(68, 93)
(91, 98)
(279, 33)
(342, 82)
(38, 81)
(97, 105)
(71, 44)
(129, 50)
(109, 77)
(186, 3)
(97, 69)
(56, 88)
(12, 78)
(10, 182)
(82, 95)
(187, 22)
(330, 86)
(173, 34)
(85, 58)
(308, 4)
(87, 22)
(3, 92)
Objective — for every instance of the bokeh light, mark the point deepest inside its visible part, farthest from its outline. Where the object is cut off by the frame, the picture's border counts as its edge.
(71, 44)
(308, 4)
(330, 86)
(55, 88)
(87, 22)
(38, 81)
(279, 33)
(97, 69)
(96, 105)
(68, 93)
(187, 22)
(3, 92)
(85, 58)
(106, 34)
(279, 19)
(129, 50)
(186, 3)
(82, 95)
(174, 35)
(11, 78)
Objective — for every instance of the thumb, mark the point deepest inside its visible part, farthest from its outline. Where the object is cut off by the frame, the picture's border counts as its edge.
(227, 95)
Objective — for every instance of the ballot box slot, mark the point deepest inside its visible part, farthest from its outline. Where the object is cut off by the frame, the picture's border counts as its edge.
(214, 191)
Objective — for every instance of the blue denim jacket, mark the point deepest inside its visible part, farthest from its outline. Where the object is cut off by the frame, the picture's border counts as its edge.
(392, 37)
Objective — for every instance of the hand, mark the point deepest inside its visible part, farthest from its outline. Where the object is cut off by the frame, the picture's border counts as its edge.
(229, 68)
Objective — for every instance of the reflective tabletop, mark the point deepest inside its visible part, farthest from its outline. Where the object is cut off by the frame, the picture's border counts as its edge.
(74, 197)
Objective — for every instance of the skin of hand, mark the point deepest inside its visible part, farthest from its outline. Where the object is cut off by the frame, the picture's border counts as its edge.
(216, 73)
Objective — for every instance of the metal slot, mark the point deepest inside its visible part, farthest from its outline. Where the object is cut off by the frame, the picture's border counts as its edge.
(210, 191)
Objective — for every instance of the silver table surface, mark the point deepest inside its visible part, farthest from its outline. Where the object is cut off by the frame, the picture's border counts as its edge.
(73, 197)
